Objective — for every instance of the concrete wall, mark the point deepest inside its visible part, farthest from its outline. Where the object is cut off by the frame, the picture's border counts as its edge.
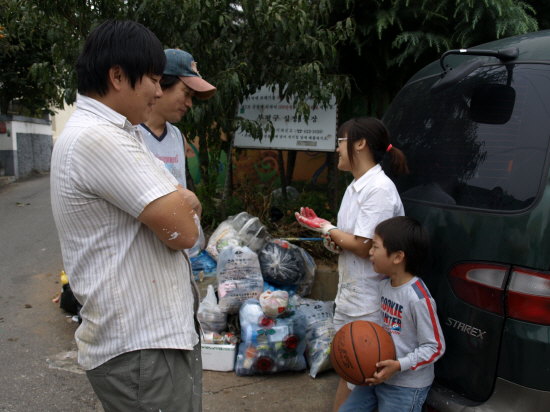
(7, 150)
(25, 145)
(60, 118)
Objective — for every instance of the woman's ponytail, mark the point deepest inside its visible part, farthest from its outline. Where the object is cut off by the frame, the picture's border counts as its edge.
(398, 161)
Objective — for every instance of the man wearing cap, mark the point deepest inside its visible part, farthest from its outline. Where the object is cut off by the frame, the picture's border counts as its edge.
(180, 82)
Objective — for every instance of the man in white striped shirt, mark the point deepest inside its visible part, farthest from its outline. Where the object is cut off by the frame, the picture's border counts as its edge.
(123, 223)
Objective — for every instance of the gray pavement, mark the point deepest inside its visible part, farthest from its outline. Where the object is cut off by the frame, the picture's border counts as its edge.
(37, 349)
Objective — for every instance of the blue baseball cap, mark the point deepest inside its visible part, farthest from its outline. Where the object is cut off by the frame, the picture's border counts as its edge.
(180, 63)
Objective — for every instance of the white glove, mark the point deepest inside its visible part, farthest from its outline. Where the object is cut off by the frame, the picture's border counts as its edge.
(330, 244)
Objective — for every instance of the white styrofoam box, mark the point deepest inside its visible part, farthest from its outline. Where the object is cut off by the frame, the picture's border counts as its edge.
(218, 357)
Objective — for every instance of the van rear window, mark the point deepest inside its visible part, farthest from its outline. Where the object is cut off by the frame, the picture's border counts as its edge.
(480, 143)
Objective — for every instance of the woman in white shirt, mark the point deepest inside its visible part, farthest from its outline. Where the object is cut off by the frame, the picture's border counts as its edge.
(363, 146)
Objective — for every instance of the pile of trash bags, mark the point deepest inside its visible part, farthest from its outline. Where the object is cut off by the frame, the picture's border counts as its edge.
(264, 281)
(258, 300)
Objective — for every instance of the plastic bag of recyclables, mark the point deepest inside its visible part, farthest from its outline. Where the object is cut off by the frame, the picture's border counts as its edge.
(285, 264)
(239, 277)
(239, 230)
(318, 316)
(239, 273)
(274, 303)
(278, 258)
(201, 241)
(209, 314)
(281, 263)
(270, 345)
(203, 265)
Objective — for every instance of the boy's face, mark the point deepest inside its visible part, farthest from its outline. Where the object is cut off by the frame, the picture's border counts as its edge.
(175, 102)
(381, 262)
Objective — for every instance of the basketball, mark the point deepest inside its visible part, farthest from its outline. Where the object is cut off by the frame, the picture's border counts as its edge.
(357, 347)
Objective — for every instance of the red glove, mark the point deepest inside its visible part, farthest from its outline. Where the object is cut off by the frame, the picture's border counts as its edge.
(308, 219)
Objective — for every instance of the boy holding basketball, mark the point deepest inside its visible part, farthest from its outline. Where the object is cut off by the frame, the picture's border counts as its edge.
(400, 247)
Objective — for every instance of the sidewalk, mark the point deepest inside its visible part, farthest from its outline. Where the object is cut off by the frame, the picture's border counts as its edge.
(6, 180)
(288, 391)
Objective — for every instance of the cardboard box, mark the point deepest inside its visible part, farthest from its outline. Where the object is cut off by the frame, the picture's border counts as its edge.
(218, 357)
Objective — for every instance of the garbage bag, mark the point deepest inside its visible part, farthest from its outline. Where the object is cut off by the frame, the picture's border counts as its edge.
(282, 263)
(274, 303)
(305, 286)
(291, 193)
(252, 234)
(68, 301)
(269, 345)
(239, 220)
(242, 229)
(209, 314)
(201, 240)
(319, 332)
(239, 277)
(203, 265)
(290, 289)
(224, 235)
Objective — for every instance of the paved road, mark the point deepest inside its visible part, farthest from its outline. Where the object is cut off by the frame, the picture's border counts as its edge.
(35, 335)
(38, 371)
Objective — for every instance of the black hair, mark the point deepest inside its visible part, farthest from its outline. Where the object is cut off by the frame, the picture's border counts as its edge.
(402, 233)
(377, 137)
(168, 80)
(127, 44)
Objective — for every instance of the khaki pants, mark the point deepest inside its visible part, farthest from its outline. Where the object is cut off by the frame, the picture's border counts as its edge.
(166, 380)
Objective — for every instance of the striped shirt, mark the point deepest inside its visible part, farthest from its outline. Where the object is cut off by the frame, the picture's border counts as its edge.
(135, 291)
(410, 317)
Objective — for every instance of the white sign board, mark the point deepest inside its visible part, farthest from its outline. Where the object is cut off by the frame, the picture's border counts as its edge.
(318, 134)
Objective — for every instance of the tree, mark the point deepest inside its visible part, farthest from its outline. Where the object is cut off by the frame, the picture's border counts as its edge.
(395, 38)
(240, 46)
(291, 44)
(252, 41)
(362, 51)
(25, 55)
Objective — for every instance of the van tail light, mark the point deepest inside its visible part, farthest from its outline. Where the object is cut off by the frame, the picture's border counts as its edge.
(528, 296)
(480, 284)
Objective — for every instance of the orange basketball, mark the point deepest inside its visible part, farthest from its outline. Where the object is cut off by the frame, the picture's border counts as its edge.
(357, 347)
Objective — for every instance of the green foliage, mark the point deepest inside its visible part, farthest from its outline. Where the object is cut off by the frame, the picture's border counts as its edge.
(25, 59)
(287, 44)
(307, 48)
(361, 51)
(395, 38)
(497, 18)
(39, 48)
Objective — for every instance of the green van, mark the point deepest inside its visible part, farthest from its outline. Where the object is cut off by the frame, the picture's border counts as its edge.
(475, 127)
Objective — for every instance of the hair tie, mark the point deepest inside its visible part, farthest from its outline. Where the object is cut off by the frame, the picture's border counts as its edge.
(389, 147)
